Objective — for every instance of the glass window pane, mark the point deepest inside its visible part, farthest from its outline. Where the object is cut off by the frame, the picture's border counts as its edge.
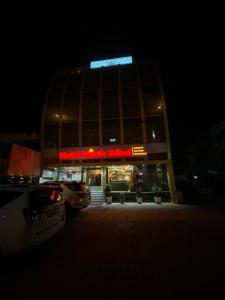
(133, 131)
(52, 112)
(91, 81)
(154, 175)
(131, 104)
(155, 129)
(74, 84)
(70, 109)
(111, 132)
(90, 106)
(110, 105)
(90, 133)
(51, 134)
(110, 79)
(153, 104)
(69, 134)
(129, 77)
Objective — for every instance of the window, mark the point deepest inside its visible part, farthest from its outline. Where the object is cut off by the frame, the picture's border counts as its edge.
(153, 104)
(51, 133)
(52, 112)
(110, 80)
(90, 133)
(155, 129)
(90, 106)
(8, 196)
(111, 132)
(70, 134)
(74, 84)
(131, 104)
(110, 105)
(133, 131)
(120, 174)
(91, 81)
(70, 111)
(129, 77)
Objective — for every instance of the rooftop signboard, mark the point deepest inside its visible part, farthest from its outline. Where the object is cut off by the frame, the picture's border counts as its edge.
(111, 62)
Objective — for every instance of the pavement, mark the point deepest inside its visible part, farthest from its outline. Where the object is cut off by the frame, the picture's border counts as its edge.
(125, 251)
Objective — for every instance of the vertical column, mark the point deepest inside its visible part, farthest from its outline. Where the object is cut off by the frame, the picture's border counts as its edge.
(120, 108)
(171, 182)
(165, 118)
(61, 113)
(80, 112)
(42, 125)
(141, 106)
(100, 108)
(171, 178)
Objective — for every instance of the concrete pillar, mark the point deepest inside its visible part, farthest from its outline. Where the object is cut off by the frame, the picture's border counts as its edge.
(172, 183)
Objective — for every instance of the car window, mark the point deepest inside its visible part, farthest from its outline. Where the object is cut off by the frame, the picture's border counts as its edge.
(43, 197)
(7, 196)
(74, 186)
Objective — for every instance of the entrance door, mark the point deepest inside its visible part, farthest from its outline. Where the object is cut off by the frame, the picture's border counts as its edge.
(94, 180)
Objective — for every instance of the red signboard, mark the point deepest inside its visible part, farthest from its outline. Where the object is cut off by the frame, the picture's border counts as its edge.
(100, 153)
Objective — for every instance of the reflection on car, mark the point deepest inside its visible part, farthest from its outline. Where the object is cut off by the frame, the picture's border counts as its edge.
(29, 215)
(76, 193)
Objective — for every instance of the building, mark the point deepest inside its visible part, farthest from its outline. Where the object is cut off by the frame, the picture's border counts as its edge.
(19, 157)
(107, 124)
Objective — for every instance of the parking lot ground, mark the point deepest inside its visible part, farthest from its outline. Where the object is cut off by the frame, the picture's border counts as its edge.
(129, 251)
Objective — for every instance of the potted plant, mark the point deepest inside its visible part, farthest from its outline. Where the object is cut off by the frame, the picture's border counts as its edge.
(156, 190)
(108, 197)
(139, 197)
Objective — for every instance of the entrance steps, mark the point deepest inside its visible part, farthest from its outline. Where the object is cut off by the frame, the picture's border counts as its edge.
(97, 197)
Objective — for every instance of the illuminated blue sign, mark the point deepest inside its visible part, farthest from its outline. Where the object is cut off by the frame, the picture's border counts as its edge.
(111, 62)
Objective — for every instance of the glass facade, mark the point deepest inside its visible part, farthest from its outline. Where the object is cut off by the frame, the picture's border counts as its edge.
(118, 107)
(105, 106)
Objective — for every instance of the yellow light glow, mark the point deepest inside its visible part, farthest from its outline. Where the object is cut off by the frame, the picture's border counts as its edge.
(142, 153)
(91, 150)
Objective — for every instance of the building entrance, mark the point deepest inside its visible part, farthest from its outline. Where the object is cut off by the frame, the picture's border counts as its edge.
(94, 179)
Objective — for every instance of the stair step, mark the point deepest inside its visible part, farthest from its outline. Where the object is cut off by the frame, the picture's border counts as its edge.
(97, 197)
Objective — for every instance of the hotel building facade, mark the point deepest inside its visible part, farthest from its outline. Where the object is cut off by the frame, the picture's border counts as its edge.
(107, 125)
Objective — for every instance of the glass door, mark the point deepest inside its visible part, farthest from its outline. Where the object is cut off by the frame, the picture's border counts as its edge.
(94, 178)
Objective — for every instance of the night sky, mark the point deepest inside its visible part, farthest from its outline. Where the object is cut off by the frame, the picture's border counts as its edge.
(187, 44)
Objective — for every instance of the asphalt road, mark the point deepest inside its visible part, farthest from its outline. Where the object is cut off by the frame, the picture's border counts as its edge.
(125, 251)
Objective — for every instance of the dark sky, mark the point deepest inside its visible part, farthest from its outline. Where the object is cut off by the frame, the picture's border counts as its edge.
(188, 45)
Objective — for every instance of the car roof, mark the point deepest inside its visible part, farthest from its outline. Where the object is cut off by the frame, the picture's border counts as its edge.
(63, 181)
(23, 187)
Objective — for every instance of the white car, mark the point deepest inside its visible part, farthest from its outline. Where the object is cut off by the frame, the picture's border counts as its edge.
(29, 215)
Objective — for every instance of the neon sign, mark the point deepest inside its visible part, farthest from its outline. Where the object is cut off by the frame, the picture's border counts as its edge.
(138, 151)
(99, 153)
(111, 62)
(92, 154)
